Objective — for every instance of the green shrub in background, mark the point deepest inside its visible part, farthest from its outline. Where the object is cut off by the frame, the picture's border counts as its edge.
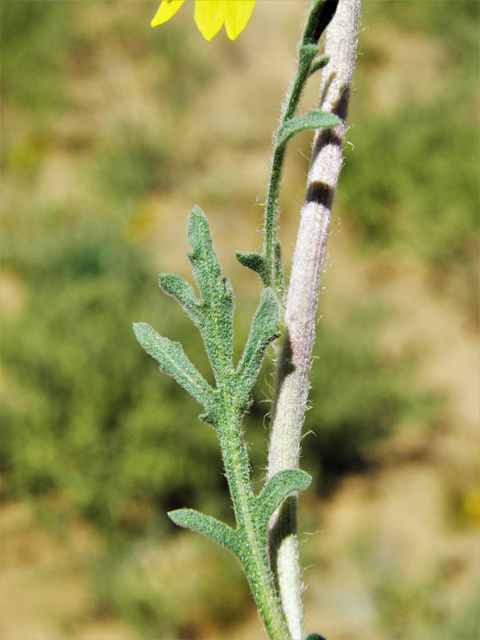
(454, 24)
(129, 165)
(173, 588)
(82, 415)
(408, 609)
(392, 206)
(36, 38)
(360, 397)
(419, 193)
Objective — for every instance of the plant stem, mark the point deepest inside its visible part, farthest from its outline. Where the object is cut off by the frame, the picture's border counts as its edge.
(256, 564)
(293, 367)
(320, 15)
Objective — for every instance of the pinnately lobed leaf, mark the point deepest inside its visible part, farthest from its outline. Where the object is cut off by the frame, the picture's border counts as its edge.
(253, 261)
(274, 492)
(212, 313)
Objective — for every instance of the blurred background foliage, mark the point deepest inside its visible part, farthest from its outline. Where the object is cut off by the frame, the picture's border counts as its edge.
(109, 134)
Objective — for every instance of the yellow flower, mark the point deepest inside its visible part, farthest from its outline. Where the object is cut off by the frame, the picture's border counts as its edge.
(211, 14)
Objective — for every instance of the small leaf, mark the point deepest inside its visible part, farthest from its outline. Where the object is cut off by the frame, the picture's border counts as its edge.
(253, 261)
(318, 64)
(314, 119)
(281, 485)
(263, 331)
(208, 418)
(172, 360)
(182, 291)
(315, 636)
(206, 525)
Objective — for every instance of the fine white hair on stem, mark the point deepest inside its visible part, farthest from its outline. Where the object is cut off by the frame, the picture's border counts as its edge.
(294, 361)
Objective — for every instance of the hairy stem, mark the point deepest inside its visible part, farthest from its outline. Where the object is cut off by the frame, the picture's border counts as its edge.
(293, 367)
(256, 566)
(320, 15)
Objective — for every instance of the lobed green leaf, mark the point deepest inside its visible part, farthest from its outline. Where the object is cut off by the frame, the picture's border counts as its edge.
(203, 256)
(253, 261)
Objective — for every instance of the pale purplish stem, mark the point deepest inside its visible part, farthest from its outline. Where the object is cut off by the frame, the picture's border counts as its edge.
(294, 362)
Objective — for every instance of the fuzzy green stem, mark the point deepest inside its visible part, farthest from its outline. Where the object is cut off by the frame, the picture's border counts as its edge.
(320, 15)
(256, 562)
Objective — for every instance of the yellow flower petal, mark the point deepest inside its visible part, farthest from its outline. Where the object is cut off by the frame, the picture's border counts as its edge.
(209, 16)
(237, 14)
(166, 10)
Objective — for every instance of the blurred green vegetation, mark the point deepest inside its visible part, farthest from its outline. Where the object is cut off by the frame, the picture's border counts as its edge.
(86, 415)
(171, 588)
(419, 192)
(419, 608)
(360, 396)
(36, 36)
